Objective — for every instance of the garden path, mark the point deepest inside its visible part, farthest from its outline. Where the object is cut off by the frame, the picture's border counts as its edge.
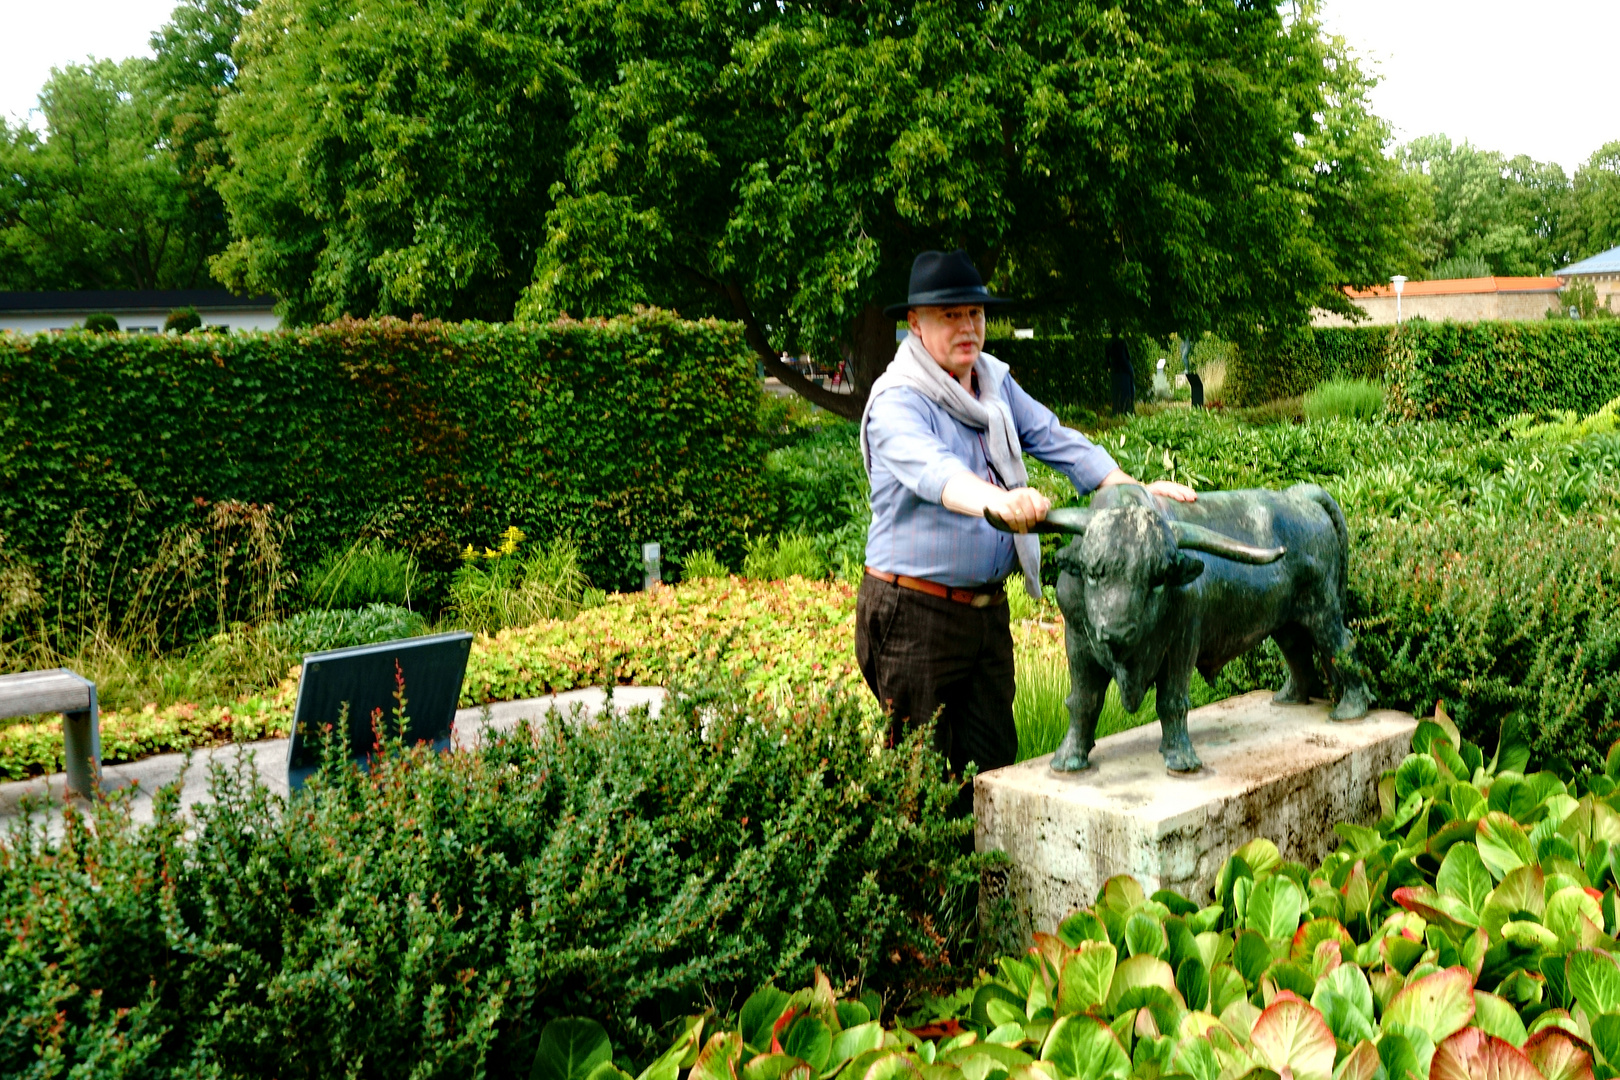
(269, 757)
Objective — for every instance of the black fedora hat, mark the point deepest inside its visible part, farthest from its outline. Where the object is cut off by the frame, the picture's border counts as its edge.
(943, 279)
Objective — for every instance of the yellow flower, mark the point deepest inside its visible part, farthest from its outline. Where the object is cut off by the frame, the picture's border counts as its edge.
(469, 553)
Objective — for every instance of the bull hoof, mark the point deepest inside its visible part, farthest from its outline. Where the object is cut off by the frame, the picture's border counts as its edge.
(1072, 755)
(1183, 773)
(1291, 694)
(1181, 761)
(1350, 707)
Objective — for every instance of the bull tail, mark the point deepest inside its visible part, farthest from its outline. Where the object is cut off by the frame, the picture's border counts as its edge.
(1319, 495)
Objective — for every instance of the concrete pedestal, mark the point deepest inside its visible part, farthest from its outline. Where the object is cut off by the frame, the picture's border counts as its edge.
(1284, 772)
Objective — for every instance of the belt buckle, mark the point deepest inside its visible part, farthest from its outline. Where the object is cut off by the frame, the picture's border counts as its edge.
(980, 600)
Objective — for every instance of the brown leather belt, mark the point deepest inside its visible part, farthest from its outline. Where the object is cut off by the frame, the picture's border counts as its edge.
(980, 596)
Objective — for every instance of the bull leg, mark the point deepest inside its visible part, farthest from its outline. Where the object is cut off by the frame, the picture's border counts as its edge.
(1172, 700)
(1335, 643)
(1088, 683)
(1297, 649)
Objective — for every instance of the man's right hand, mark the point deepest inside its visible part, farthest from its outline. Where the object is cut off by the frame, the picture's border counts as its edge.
(1020, 508)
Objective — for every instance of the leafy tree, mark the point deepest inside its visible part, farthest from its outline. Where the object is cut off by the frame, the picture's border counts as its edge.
(1488, 211)
(92, 201)
(1594, 214)
(1142, 165)
(192, 74)
(392, 157)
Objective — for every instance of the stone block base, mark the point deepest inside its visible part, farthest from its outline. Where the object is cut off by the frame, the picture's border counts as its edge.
(1284, 772)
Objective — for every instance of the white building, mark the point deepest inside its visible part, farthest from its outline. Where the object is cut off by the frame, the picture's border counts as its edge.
(1603, 271)
(141, 311)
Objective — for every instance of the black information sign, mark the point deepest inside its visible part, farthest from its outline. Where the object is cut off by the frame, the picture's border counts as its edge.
(365, 678)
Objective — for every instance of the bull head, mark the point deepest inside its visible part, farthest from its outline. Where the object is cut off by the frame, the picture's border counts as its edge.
(1074, 520)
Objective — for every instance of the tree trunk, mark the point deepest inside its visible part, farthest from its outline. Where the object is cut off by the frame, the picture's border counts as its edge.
(871, 341)
(848, 406)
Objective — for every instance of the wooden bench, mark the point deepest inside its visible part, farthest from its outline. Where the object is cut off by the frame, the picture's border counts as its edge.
(60, 690)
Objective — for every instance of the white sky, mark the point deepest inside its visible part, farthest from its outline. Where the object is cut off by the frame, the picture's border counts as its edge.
(1531, 76)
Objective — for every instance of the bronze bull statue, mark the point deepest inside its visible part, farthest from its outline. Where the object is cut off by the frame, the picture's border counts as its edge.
(1143, 610)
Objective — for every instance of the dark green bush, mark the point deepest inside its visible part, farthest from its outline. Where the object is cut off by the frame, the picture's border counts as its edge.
(182, 321)
(102, 322)
(616, 432)
(339, 628)
(367, 573)
(428, 918)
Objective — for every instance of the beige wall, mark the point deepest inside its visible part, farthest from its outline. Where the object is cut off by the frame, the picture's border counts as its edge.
(1458, 307)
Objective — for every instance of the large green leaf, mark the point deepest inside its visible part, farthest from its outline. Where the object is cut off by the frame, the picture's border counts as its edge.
(1463, 877)
(570, 1049)
(1197, 1058)
(810, 1041)
(1225, 987)
(1192, 980)
(1144, 936)
(1494, 1016)
(1086, 977)
(1274, 908)
(1292, 1036)
(1594, 980)
(1260, 856)
(1084, 1048)
(1503, 845)
(854, 1041)
(759, 1015)
(1521, 894)
(1251, 956)
(1438, 1004)
(1564, 910)
(1606, 1038)
(1345, 1000)
(1418, 771)
(1081, 926)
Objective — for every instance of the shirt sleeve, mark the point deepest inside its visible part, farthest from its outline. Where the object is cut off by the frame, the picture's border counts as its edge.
(1045, 439)
(901, 438)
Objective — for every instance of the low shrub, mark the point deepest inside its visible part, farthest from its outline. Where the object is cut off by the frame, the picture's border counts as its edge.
(428, 918)
(366, 573)
(506, 586)
(101, 323)
(182, 321)
(341, 628)
(702, 564)
(1344, 399)
(780, 557)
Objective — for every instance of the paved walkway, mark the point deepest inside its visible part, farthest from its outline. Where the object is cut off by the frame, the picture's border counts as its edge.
(269, 757)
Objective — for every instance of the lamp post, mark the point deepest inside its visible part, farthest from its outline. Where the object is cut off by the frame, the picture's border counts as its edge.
(1400, 283)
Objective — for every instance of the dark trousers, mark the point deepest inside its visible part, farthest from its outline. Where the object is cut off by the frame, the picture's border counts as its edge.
(924, 654)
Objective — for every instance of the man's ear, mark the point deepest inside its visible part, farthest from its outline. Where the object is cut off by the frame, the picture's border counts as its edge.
(1186, 569)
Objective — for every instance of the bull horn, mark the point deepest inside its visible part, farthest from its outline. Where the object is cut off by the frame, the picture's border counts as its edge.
(1211, 542)
(1068, 519)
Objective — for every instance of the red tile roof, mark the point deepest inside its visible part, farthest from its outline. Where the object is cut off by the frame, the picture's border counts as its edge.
(1454, 286)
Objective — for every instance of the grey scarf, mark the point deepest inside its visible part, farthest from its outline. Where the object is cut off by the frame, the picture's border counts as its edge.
(912, 366)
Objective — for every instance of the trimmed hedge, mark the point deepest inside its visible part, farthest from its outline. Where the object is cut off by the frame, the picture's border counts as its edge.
(1480, 372)
(1071, 370)
(435, 435)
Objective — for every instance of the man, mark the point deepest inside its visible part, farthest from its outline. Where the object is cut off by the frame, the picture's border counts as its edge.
(943, 438)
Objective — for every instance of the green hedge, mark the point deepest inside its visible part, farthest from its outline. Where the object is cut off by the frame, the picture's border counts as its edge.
(1486, 372)
(1072, 370)
(1480, 372)
(434, 435)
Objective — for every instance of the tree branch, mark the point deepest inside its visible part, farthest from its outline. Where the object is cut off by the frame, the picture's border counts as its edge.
(845, 405)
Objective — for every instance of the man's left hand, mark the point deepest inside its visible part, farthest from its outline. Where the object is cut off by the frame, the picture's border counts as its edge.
(1172, 490)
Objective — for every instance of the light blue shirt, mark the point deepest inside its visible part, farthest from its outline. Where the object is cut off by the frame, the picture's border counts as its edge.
(916, 447)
